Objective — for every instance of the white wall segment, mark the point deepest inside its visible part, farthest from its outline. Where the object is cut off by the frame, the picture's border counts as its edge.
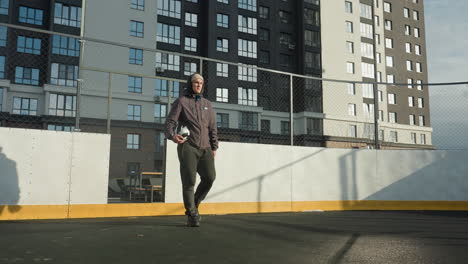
(258, 173)
(35, 167)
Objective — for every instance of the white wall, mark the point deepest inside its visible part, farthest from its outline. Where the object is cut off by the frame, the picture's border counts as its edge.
(255, 172)
(41, 167)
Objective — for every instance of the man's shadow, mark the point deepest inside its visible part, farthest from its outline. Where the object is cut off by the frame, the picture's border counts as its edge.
(9, 189)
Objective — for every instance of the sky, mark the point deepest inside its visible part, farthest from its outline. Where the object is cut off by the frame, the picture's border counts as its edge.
(447, 55)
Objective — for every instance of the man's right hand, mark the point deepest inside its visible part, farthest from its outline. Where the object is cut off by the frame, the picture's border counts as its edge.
(178, 139)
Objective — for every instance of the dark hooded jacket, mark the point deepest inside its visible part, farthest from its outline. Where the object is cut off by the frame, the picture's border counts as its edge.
(196, 113)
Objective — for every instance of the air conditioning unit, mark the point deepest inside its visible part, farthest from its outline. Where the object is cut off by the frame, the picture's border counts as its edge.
(159, 69)
(157, 99)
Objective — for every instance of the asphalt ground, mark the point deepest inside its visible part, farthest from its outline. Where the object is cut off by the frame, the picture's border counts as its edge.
(310, 237)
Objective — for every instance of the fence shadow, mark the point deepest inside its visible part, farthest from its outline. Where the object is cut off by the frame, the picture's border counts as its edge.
(9, 188)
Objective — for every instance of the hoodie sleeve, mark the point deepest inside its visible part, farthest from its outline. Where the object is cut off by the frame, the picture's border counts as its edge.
(172, 119)
(213, 130)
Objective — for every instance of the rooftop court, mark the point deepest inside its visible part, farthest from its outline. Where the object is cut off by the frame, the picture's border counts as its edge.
(309, 237)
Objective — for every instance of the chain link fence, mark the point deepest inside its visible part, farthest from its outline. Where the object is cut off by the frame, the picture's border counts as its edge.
(127, 91)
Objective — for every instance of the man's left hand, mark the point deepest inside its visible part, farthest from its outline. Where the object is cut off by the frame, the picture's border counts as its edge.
(214, 153)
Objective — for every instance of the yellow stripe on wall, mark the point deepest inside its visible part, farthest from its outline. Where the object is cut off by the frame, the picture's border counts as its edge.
(22, 212)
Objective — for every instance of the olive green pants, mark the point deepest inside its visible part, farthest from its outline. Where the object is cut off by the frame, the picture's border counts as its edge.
(193, 160)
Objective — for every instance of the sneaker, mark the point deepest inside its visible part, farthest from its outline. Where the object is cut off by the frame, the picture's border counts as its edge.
(193, 220)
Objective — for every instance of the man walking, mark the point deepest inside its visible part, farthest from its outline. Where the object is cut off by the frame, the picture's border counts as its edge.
(196, 148)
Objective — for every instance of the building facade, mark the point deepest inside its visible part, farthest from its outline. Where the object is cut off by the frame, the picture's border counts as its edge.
(134, 64)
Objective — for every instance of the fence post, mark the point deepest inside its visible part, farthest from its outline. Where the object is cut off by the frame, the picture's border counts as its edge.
(291, 113)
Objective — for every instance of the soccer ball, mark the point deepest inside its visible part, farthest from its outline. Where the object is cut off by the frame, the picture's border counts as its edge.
(184, 132)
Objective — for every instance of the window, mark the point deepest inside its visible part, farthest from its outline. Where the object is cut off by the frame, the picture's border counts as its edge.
(377, 21)
(412, 120)
(368, 70)
(393, 137)
(190, 44)
(352, 109)
(222, 120)
(62, 105)
(392, 117)
(247, 24)
(264, 34)
(391, 98)
(285, 128)
(135, 56)
(285, 38)
(222, 20)
(167, 61)
(367, 30)
(350, 47)
(407, 30)
(248, 121)
(191, 19)
(4, 7)
(138, 4)
(2, 71)
(377, 39)
(418, 67)
(168, 34)
(419, 84)
(415, 15)
(222, 95)
(420, 102)
(351, 88)
(286, 60)
(417, 49)
(248, 74)
(65, 46)
(169, 8)
(248, 4)
(389, 43)
(368, 90)
(136, 29)
(381, 118)
(379, 76)
(368, 110)
(247, 48)
(222, 45)
(285, 17)
(387, 7)
(367, 50)
(380, 95)
(223, 1)
(26, 75)
(366, 11)
(423, 139)
(348, 7)
(410, 83)
(352, 131)
(24, 106)
(314, 2)
(390, 78)
(312, 60)
(162, 88)
(388, 24)
(421, 121)
(410, 101)
(264, 12)
(133, 141)
(190, 68)
(311, 17)
(247, 96)
(350, 67)
(134, 84)
(55, 127)
(349, 26)
(62, 74)
(67, 15)
(134, 112)
(416, 33)
(265, 126)
(368, 131)
(193, 1)
(29, 45)
(31, 15)
(222, 69)
(3, 35)
(379, 57)
(314, 126)
(408, 47)
(406, 12)
(160, 113)
(312, 38)
(409, 65)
